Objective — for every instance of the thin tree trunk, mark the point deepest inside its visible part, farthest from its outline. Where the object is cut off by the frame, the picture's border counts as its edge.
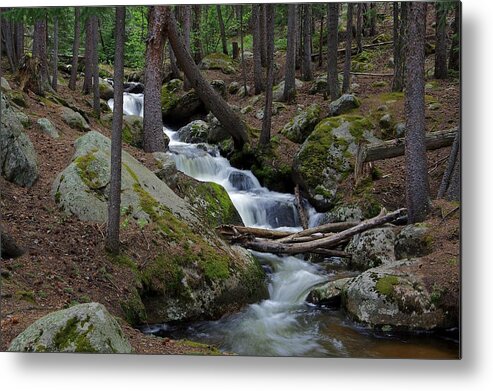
(257, 51)
(399, 71)
(8, 38)
(454, 155)
(198, 49)
(187, 14)
(113, 234)
(307, 42)
(266, 122)
(346, 82)
(75, 50)
(321, 43)
(397, 49)
(39, 53)
(19, 40)
(332, 77)
(359, 28)
(289, 92)
(263, 32)
(243, 64)
(211, 99)
(175, 72)
(222, 29)
(298, 38)
(95, 67)
(88, 71)
(153, 122)
(441, 71)
(54, 80)
(417, 190)
(373, 19)
(454, 56)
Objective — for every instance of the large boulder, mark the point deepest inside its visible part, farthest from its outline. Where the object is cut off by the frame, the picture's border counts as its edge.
(218, 61)
(414, 240)
(395, 295)
(74, 119)
(83, 328)
(372, 248)
(106, 90)
(327, 157)
(195, 132)
(278, 90)
(328, 294)
(345, 103)
(47, 127)
(18, 160)
(216, 131)
(182, 107)
(300, 127)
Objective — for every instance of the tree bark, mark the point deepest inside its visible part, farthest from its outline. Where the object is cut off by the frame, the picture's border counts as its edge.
(449, 171)
(113, 234)
(346, 82)
(257, 51)
(373, 19)
(95, 66)
(75, 50)
(243, 64)
(298, 37)
(359, 28)
(224, 42)
(454, 56)
(88, 71)
(441, 71)
(187, 14)
(267, 120)
(417, 189)
(19, 41)
(289, 92)
(321, 42)
(54, 79)
(263, 34)
(399, 66)
(7, 34)
(332, 77)
(153, 121)
(397, 49)
(198, 48)
(211, 99)
(307, 42)
(175, 71)
(40, 55)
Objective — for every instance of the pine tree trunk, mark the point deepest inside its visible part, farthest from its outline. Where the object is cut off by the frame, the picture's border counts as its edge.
(359, 28)
(454, 56)
(346, 82)
(257, 51)
(417, 190)
(19, 41)
(224, 42)
(211, 99)
(263, 32)
(441, 71)
(187, 15)
(307, 42)
(40, 55)
(299, 38)
(243, 64)
(400, 65)
(198, 48)
(54, 79)
(113, 234)
(175, 71)
(289, 92)
(332, 25)
(321, 43)
(75, 50)
(373, 19)
(397, 49)
(95, 66)
(153, 121)
(7, 34)
(88, 71)
(266, 123)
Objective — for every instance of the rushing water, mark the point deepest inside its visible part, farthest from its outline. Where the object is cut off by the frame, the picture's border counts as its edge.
(283, 325)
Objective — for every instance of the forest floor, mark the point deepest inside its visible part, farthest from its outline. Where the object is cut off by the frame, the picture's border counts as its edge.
(66, 263)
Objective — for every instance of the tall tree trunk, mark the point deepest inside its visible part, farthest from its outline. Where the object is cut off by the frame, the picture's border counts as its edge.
(75, 50)
(399, 66)
(454, 56)
(441, 71)
(54, 79)
(113, 234)
(332, 25)
(222, 29)
(39, 52)
(307, 42)
(257, 50)
(187, 16)
(359, 28)
(396, 46)
(266, 122)
(95, 66)
(417, 190)
(211, 99)
(263, 34)
(7, 34)
(298, 37)
(175, 72)
(346, 82)
(88, 71)
(198, 48)
(153, 121)
(373, 19)
(19, 40)
(243, 64)
(289, 79)
(321, 42)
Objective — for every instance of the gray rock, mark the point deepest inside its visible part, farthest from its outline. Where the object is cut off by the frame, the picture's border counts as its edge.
(47, 127)
(219, 86)
(195, 132)
(233, 87)
(434, 106)
(167, 170)
(386, 121)
(343, 213)
(413, 241)
(372, 248)
(182, 107)
(300, 127)
(133, 131)
(83, 328)
(106, 90)
(319, 85)
(246, 110)
(18, 160)
(217, 133)
(241, 91)
(400, 130)
(74, 120)
(23, 118)
(278, 90)
(390, 296)
(218, 61)
(5, 85)
(344, 104)
(329, 294)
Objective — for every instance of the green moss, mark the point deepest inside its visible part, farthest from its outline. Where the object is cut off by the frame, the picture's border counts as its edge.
(131, 172)
(70, 334)
(169, 96)
(26, 295)
(58, 196)
(202, 349)
(385, 285)
(133, 308)
(390, 97)
(220, 208)
(88, 175)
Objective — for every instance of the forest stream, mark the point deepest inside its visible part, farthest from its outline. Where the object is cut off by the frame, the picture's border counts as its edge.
(285, 324)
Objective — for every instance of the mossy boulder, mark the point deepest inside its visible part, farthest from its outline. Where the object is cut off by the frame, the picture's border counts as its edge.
(181, 107)
(345, 103)
(218, 61)
(233, 87)
(319, 85)
(18, 159)
(372, 248)
(106, 90)
(395, 295)
(414, 240)
(133, 131)
(83, 328)
(343, 213)
(18, 98)
(216, 133)
(328, 294)
(47, 127)
(195, 132)
(74, 119)
(278, 90)
(4, 85)
(327, 157)
(300, 127)
(220, 87)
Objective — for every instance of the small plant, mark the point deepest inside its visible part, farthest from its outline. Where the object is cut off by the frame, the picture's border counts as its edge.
(142, 223)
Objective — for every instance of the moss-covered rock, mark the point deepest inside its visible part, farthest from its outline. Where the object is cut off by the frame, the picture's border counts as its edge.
(300, 127)
(84, 328)
(18, 98)
(195, 132)
(106, 91)
(4, 85)
(372, 248)
(329, 294)
(344, 104)
(218, 61)
(414, 240)
(278, 90)
(74, 119)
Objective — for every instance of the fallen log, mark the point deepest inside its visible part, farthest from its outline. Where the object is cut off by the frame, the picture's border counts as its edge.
(236, 231)
(314, 246)
(321, 229)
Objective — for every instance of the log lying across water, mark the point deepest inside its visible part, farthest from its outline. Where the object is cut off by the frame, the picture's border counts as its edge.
(318, 240)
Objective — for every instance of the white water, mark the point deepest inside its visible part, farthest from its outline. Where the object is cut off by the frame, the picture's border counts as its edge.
(276, 326)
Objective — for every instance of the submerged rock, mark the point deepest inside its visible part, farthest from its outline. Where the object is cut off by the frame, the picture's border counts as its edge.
(45, 125)
(372, 248)
(83, 328)
(300, 127)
